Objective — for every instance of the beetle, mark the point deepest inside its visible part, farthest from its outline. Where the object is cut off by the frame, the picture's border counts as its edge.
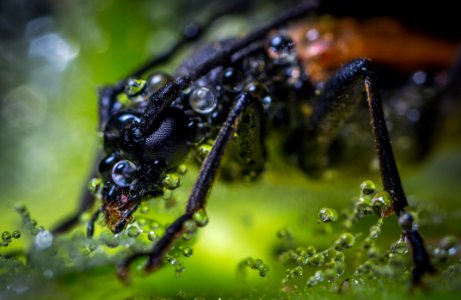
(230, 92)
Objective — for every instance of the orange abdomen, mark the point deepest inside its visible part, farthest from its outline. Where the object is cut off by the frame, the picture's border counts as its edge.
(325, 44)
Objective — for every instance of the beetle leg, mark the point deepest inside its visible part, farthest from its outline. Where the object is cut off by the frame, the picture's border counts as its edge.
(246, 105)
(342, 95)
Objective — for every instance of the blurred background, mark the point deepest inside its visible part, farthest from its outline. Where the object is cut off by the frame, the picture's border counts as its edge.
(53, 57)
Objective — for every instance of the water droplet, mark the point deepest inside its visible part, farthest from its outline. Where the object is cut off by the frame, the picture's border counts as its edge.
(203, 151)
(382, 204)
(328, 215)
(171, 181)
(6, 236)
(154, 224)
(152, 236)
(281, 48)
(310, 250)
(400, 247)
(202, 100)
(44, 239)
(440, 254)
(133, 231)
(449, 241)
(232, 80)
(339, 257)
(367, 187)
(364, 206)
(345, 241)
(94, 185)
(373, 252)
(200, 217)
(311, 281)
(134, 87)
(317, 259)
(190, 226)
(298, 271)
(123, 173)
(16, 234)
(301, 260)
(158, 80)
(329, 275)
(144, 209)
(181, 169)
(187, 251)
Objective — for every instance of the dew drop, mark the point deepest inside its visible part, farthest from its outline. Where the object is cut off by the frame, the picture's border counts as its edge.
(317, 259)
(171, 181)
(16, 234)
(152, 236)
(339, 257)
(382, 204)
(400, 247)
(327, 215)
(281, 48)
(154, 225)
(200, 217)
(203, 151)
(158, 80)
(190, 226)
(94, 185)
(329, 275)
(144, 209)
(181, 169)
(448, 242)
(133, 231)
(123, 173)
(187, 251)
(6, 236)
(298, 271)
(311, 281)
(134, 87)
(345, 241)
(44, 239)
(202, 100)
(367, 187)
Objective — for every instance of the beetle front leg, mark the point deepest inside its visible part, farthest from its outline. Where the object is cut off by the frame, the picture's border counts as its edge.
(245, 103)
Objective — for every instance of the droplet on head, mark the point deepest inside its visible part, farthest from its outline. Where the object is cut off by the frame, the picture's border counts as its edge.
(202, 100)
(281, 48)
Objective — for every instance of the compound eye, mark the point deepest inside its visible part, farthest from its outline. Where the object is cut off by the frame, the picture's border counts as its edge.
(106, 165)
(124, 173)
(114, 131)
